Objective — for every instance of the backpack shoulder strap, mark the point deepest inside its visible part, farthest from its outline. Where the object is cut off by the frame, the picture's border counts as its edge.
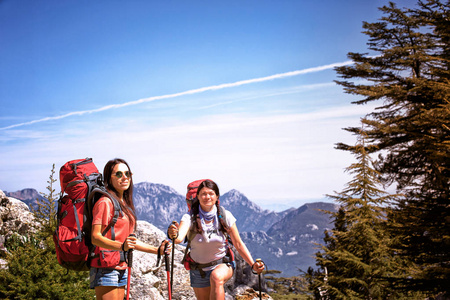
(224, 226)
(190, 236)
(94, 195)
(193, 230)
(223, 219)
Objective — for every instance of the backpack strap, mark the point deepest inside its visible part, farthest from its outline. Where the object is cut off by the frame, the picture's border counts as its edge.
(223, 220)
(80, 234)
(117, 210)
(191, 234)
(90, 181)
(83, 162)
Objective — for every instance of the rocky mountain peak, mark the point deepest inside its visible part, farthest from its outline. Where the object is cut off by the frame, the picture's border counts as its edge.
(236, 199)
(304, 220)
(24, 194)
(154, 188)
(235, 194)
(28, 196)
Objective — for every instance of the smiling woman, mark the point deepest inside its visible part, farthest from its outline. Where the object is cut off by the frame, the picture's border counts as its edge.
(210, 262)
(108, 273)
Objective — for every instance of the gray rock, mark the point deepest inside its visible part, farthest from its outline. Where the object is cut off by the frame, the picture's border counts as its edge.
(15, 217)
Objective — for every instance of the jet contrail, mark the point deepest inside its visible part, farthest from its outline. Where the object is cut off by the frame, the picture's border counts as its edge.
(188, 92)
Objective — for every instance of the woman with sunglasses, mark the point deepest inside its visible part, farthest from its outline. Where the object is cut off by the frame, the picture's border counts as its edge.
(209, 247)
(108, 274)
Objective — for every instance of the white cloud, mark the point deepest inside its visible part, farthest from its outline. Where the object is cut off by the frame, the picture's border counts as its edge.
(268, 158)
(282, 153)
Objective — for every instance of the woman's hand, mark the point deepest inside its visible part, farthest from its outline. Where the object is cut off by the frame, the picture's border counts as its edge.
(129, 243)
(172, 231)
(258, 266)
(165, 247)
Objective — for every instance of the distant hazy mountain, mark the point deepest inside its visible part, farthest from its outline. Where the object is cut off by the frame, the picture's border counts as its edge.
(249, 216)
(284, 240)
(296, 236)
(28, 196)
(306, 220)
(158, 204)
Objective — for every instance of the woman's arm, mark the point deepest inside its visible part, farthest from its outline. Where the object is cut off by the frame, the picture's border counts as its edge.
(101, 241)
(130, 243)
(240, 245)
(243, 250)
(144, 247)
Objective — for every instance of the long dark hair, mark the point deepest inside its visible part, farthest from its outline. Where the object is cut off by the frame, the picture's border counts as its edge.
(209, 184)
(128, 209)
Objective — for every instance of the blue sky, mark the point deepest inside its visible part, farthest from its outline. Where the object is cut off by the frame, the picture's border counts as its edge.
(240, 92)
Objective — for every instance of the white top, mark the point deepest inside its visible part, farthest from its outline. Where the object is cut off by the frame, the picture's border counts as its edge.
(203, 251)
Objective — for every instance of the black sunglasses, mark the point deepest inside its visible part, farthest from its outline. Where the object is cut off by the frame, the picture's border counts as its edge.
(119, 174)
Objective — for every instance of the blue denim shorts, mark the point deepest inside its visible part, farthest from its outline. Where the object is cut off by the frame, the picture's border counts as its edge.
(198, 282)
(107, 277)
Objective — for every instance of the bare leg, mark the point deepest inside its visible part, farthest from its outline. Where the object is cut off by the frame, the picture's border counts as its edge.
(109, 292)
(219, 277)
(202, 293)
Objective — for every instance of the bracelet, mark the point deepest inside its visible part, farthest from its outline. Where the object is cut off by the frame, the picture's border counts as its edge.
(253, 270)
(123, 247)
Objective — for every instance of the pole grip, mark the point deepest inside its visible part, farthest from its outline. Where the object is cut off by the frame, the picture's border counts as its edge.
(130, 254)
(259, 280)
(173, 257)
(166, 259)
(130, 258)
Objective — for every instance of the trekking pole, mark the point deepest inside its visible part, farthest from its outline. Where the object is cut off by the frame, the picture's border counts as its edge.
(173, 256)
(130, 265)
(166, 260)
(258, 260)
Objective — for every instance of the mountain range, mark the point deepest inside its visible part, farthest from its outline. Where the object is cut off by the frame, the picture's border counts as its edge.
(286, 241)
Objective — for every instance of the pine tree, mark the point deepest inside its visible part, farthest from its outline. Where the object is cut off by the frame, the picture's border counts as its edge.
(409, 73)
(45, 210)
(33, 271)
(356, 254)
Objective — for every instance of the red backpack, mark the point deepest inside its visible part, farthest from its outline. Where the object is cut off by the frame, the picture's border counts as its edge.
(82, 185)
